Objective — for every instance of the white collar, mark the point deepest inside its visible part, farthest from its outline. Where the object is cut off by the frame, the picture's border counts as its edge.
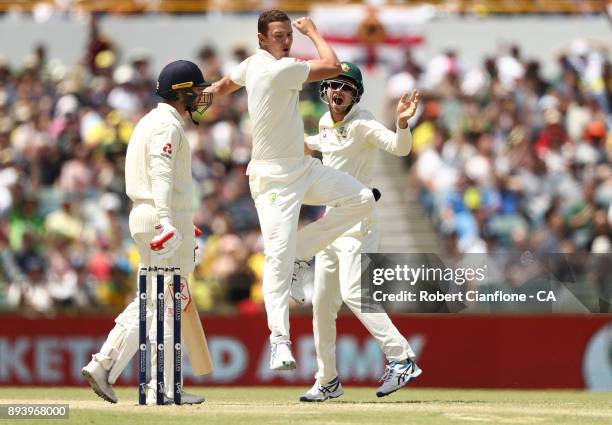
(354, 111)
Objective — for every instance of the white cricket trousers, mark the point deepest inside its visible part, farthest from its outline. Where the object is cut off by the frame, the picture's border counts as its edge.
(337, 280)
(279, 188)
(122, 341)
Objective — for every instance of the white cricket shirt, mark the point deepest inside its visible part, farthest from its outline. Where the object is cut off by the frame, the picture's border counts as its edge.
(350, 145)
(273, 87)
(158, 164)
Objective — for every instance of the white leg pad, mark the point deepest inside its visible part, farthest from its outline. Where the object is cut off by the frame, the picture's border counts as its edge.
(127, 346)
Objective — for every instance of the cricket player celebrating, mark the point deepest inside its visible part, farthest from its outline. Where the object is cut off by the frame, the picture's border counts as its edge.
(281, 177)
(159, 183)
(348, 138)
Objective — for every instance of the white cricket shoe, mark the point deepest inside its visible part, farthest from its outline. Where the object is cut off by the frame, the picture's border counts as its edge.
(318, 392)
(97, 377)
(396, 376)
(152, 396)
(300, 270)
(187, 398)
(281, 357)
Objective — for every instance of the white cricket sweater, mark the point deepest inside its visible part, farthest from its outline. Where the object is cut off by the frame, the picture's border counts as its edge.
(351, 144)
(273, 88)
(158, 170)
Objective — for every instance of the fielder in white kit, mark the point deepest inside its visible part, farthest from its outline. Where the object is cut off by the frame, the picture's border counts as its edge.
(348, 139)
(281, 177)
(159, 183)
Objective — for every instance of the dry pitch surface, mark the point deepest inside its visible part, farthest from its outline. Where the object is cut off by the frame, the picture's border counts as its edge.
(357, 406)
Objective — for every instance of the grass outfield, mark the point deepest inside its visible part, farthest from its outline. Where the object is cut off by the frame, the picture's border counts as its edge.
(357, 406)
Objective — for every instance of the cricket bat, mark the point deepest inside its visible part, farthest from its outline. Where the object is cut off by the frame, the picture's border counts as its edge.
(195, 342)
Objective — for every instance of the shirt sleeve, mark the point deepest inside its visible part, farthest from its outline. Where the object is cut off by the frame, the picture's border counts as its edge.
(291, 73)
(373, 132)
(313, 142)
(238, 74)
(163, 146)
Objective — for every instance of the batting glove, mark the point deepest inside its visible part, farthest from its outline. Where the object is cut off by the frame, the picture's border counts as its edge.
(167, 241)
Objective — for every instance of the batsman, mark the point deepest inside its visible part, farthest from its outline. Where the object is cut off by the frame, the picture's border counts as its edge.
(348, 138)
(159, 183)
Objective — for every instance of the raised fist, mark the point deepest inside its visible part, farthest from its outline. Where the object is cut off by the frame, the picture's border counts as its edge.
(305, 25)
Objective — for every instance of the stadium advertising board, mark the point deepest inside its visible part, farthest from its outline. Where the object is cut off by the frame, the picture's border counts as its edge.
(502, 351)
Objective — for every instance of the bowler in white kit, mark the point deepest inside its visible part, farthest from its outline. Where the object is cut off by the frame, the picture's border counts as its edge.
(281, 177)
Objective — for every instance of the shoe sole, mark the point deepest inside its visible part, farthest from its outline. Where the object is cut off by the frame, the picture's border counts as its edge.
(94, 386)
(412, 376)
(285, 366)
(307, 400)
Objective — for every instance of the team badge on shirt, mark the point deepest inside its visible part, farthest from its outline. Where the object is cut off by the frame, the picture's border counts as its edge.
(341, 134)
(167, 151)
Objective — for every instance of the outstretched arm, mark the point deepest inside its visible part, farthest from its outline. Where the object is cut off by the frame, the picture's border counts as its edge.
(328, 65)
(223, 87)
(400, 142)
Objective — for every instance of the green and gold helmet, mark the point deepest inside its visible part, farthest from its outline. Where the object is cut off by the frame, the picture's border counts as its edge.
(350, 72)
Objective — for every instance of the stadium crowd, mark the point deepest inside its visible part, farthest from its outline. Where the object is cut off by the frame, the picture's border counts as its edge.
(503, 159)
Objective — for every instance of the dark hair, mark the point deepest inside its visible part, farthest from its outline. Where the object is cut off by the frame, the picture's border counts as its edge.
(270, 16)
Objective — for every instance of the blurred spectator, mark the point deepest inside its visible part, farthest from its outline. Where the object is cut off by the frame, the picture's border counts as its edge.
(124, 96)
(210, 63)
(144, 80)
(100, 54)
